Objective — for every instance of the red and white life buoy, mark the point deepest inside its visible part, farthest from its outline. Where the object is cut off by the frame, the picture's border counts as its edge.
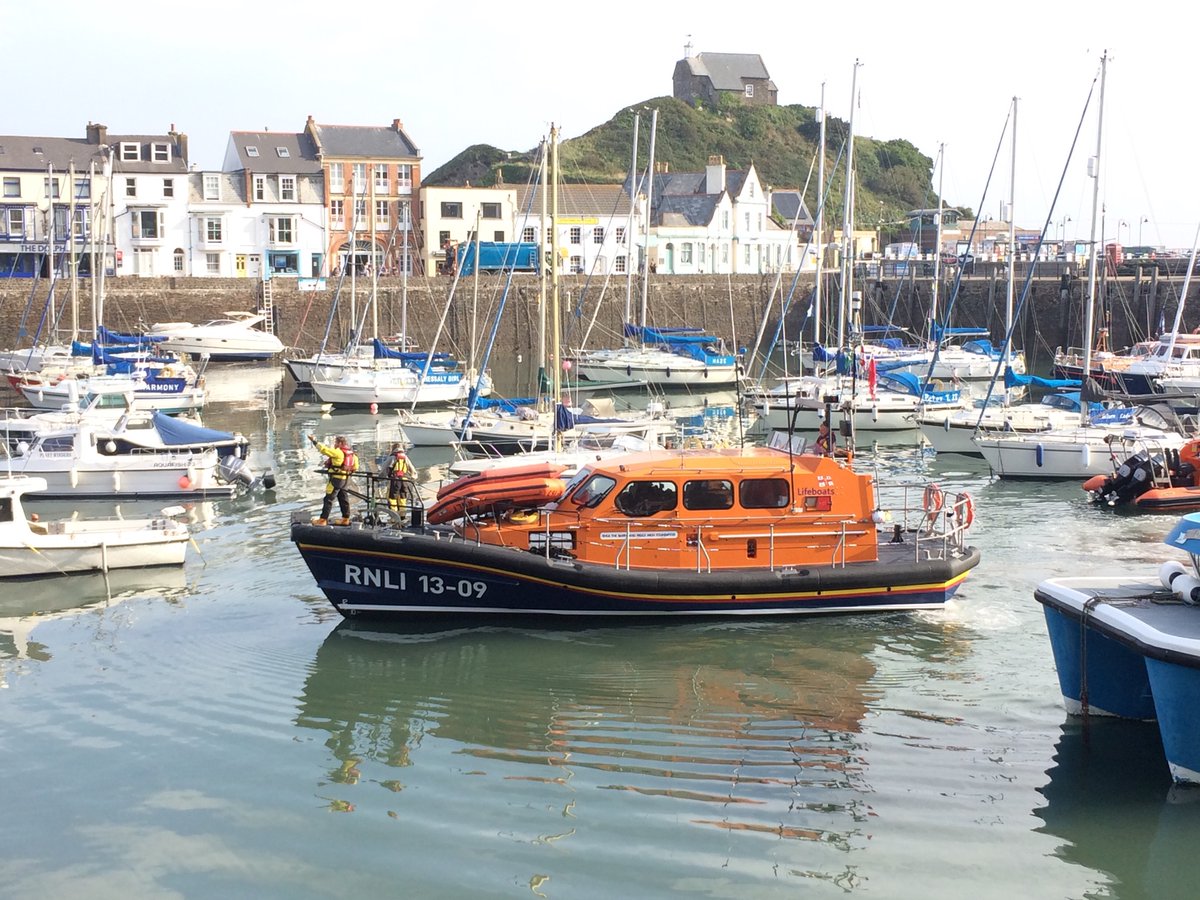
(964, 510)
(933, 499)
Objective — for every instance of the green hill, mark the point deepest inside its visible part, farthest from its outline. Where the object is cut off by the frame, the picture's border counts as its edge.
(893, 176)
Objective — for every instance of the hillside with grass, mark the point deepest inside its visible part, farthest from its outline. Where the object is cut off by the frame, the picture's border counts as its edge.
(893, 176)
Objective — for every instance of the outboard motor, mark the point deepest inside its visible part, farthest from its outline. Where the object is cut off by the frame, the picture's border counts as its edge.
(235, 471)
(1132, 479)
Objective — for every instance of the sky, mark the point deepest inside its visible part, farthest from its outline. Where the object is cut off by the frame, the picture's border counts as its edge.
(474, 72)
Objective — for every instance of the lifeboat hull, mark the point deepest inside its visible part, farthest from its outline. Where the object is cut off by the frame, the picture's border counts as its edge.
(436, 574)
(1175, 499)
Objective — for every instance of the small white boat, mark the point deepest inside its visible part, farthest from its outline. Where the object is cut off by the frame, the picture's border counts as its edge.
(639, 366)
(891, 406)
(164, 392)
(34, 359)
(1129, 646)
(395, 386)
(29, 548)
(232, 338)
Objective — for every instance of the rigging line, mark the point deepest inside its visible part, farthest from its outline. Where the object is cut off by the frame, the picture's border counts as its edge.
(937, 345)
(828, 187)
(800, 265)
(1025, 288)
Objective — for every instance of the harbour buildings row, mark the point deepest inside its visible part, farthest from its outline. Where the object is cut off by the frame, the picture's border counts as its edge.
(309, 204)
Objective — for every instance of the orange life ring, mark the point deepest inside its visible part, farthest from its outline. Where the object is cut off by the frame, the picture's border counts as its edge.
(933, 499)
(964, 510)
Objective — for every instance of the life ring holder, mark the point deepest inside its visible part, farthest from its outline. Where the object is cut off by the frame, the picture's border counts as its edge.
(964, 510)
(933, 499)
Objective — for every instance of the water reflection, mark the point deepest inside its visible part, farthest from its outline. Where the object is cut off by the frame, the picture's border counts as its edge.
(29, 604)
(1111, 800)
(746, 727)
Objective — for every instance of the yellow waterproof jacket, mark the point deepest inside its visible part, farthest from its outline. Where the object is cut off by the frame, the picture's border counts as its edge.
(338, 462)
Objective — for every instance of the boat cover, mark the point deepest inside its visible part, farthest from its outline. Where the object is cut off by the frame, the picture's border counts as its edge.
(179, 433)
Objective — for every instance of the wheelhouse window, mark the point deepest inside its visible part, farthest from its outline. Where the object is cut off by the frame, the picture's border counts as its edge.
(645, 498)
(764, 493)
(708, 493)
(593, 491)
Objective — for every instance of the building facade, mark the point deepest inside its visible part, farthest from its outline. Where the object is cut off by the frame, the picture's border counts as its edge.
(149, 200)
(451, 216)
(372, 181)
(707, 78)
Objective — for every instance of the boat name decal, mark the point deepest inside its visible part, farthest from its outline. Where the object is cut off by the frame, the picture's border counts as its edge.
(638, 535)
(816, 492)
(370, 576)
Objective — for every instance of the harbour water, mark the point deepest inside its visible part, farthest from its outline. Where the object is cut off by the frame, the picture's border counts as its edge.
(221, 732)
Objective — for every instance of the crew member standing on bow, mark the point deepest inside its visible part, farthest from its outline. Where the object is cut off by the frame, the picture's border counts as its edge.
(340, 463)
(398, 468)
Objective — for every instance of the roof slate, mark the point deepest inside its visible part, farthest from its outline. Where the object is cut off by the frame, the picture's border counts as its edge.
(301, 158)
(365, 141)
(726, 70)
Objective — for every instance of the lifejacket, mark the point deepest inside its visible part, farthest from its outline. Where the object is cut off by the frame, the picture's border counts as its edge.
(348, 465)
(399, 465)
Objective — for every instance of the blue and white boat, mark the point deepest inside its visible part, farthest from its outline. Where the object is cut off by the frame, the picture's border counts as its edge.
(1130, 647)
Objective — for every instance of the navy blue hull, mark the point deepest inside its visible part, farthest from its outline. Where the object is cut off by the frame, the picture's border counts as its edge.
(408, 573)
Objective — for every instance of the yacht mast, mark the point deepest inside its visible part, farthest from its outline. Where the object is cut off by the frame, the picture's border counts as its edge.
(819, 225)
(1012, 244)
(1089, 317)
(937, 248)
(847, 278)
(649, 210)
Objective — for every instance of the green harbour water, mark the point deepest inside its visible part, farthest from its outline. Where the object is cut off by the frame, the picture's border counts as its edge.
(220, 732)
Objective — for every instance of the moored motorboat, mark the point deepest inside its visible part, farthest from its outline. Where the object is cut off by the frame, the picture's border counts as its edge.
(30, 547)
(232, 338)
(1152, 480)
(1129, 646)
(760, 531)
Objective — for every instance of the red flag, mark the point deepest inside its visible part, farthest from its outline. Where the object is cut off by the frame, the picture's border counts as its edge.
(872, 377)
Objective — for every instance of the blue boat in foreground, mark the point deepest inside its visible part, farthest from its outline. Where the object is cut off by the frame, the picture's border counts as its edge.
(1130, 647)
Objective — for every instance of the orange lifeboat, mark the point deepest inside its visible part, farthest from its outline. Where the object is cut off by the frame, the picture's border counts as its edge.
(494, 490)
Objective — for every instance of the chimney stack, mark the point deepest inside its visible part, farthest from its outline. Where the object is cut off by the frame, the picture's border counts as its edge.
(714, 175)
(97, 134)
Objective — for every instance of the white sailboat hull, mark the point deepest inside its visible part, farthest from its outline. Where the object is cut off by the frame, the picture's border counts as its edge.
(1066, 454)
(650, 366)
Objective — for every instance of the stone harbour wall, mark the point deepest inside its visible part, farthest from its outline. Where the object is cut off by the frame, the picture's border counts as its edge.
(732, 308)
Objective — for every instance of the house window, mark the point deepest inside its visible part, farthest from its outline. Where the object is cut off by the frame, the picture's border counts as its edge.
(725, 219)
(597, 235)
(16, 221)
(750, 187)
(700, 253)
(360, 212)
(685, 253)
(251, 151)
(282, 152)
(620, 236)
(443, 238)
(381, 177)
(491, 210)
(337, 213)
(212, 230)
(360, 178)
(724, 253)
(179, 259)
(260, 187)
(750, 92)
(404, 215)
(147, 224)
(130, 187)
(160, 153)
(287, 188)
(576, 265)
(168, 187)
(576, 234)
(337, 179)
(130, 151)
(528, 235)
(619, 265)
(747, 254)
(747, 221)
(382, 213)
(760, 221)
(498, 237)
(82, 221)
(50, 187)
(451, 210)
(212, 187)
(12, 187)
(281, 229)
(404, 176)
(213, 263)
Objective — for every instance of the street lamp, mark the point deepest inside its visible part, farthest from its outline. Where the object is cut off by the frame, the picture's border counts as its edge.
(1121, 223)
(1062, 228)
(1141, 222)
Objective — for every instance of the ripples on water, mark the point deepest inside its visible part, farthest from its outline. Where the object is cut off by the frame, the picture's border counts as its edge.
(220, 732)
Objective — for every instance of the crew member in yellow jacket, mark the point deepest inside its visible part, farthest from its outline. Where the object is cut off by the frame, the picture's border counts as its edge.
(340, 463)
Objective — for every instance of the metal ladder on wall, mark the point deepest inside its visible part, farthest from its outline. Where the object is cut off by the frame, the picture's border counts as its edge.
(266, 306)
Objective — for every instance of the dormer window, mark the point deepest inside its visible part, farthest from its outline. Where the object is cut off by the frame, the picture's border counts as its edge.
(251, 150)
(283, 152)
(160, 152)
(131, 151)
(212, 187)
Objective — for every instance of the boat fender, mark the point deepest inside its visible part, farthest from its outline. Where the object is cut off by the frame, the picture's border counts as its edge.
(933, 498)
(946, 424)
(1169, 571)
(116, 482)
(74, 477)
(1187, 588)
(1085, 453)
(874, 413)
(964, 510)
(668, 371)
(1040, 455)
